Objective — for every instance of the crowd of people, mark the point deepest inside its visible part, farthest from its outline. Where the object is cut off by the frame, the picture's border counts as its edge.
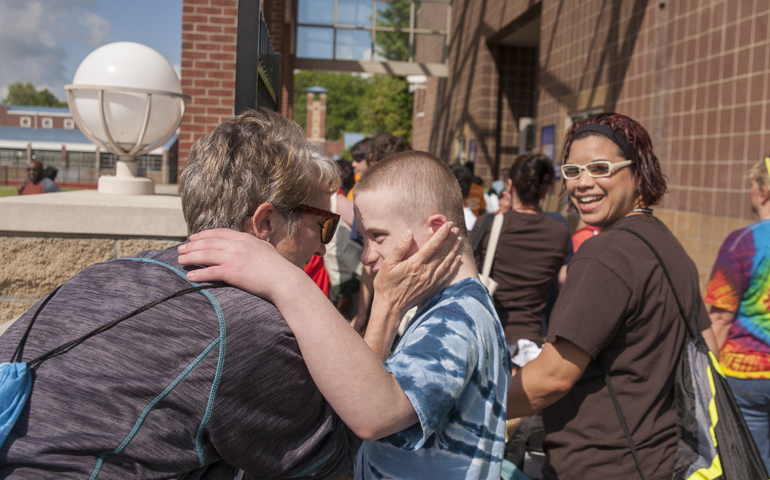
(326, 316)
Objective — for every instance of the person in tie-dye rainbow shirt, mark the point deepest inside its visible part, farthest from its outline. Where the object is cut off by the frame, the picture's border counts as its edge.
(739, 295)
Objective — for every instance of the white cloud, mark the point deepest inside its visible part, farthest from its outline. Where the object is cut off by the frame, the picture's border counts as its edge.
(31, 36)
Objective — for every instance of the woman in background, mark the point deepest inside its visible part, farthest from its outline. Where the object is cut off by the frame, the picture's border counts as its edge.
(530, 251)
(616, 312)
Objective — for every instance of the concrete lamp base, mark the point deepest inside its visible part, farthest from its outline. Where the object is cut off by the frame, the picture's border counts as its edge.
(125, 181)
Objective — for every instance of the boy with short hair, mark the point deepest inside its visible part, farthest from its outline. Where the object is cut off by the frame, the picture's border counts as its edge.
(436, 408)
(451, 362)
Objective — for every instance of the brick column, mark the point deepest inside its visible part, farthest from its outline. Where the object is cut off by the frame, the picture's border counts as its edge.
(309, 122)
(209, 33)
(322, 118)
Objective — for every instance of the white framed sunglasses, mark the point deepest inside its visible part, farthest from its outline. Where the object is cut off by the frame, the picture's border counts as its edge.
(600, 168)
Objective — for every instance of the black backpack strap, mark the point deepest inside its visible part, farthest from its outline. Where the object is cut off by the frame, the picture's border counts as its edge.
(694, 332)
(20, 348)
(606, 374)
(105, 327)
(622, 417)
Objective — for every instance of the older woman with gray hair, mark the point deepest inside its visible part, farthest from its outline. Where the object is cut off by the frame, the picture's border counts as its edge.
(204, 379)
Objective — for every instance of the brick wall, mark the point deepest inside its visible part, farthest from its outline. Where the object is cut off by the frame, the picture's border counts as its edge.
(466, 102)
(423, 106)
(334, 147)
(209, 36)
(694, 73)
(14, 119)
(209, 31)
(322, 116)
(429, 48)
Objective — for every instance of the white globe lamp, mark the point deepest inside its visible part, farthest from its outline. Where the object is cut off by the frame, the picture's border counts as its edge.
(127, 99)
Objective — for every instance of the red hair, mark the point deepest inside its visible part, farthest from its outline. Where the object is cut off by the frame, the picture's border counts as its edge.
(651, 183)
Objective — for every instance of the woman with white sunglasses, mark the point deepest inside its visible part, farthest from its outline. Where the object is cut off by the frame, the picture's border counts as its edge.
(616, 313)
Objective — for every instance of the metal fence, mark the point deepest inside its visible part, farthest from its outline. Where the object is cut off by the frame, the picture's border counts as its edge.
(258, 66)
(79, 167)
(268, 69)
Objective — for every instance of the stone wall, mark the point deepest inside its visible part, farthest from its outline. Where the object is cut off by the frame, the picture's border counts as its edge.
(46, 239)
(31, 266)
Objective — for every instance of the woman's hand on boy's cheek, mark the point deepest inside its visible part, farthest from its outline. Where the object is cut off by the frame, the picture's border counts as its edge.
(406, 283)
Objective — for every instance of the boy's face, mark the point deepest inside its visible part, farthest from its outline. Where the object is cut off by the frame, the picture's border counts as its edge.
(382, 228)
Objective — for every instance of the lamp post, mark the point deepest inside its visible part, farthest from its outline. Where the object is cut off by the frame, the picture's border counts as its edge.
(127, 99)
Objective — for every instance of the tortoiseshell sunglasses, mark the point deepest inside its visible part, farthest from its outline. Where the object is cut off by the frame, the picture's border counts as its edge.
(328, 225)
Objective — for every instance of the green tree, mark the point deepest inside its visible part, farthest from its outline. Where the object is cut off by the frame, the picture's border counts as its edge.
(341, 101)
(345, 155)
(26, 94)
(387, 107)
(380, 103)
(394, 45)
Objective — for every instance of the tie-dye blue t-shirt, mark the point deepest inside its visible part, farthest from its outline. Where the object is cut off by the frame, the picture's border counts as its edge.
(452, 364)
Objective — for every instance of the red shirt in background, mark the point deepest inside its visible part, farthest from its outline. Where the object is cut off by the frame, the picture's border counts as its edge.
(582, 235)
(317, 271)
(32, 188)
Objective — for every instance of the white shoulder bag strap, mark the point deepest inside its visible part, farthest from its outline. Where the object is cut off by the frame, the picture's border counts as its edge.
(489, 258)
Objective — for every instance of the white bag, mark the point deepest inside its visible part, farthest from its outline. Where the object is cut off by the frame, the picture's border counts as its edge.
(494, 236)
(343, 256)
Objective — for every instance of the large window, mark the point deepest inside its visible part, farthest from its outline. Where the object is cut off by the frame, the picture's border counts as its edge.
(49, 158)
(400, 30)
(13, 157)
(81, 160)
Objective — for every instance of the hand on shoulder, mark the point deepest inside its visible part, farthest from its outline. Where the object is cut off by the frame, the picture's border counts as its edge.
(237, 258)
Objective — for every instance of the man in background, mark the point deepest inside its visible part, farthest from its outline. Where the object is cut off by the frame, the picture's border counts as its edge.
(36, 182)
(361, 153)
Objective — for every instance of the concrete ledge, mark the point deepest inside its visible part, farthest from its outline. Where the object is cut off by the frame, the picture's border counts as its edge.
(86, 212)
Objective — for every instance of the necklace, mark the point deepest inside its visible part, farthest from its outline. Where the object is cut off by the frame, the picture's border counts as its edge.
(526, 210)
(648, 211)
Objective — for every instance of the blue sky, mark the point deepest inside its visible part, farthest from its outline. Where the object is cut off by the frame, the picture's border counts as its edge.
(44, 41)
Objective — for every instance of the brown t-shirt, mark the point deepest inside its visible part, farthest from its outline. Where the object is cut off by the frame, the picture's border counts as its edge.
(529, 254)
(618, 306)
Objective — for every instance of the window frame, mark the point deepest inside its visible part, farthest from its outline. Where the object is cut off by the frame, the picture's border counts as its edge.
(374, 29)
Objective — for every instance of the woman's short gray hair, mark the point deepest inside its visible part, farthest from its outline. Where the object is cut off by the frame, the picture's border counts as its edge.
(257, 157)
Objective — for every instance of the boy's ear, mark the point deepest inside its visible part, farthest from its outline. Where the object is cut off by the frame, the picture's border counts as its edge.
(435, 222)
